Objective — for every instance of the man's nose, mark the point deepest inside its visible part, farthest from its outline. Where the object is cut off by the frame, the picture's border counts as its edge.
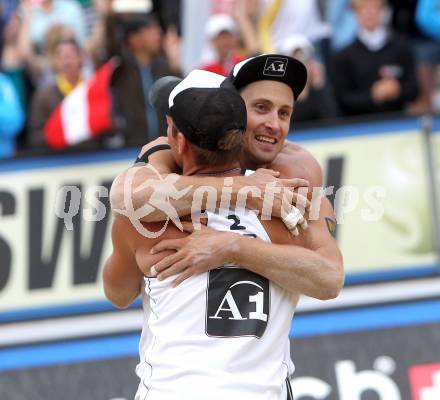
(273, 121)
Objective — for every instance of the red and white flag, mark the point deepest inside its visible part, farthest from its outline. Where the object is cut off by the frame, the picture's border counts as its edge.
(83, 114)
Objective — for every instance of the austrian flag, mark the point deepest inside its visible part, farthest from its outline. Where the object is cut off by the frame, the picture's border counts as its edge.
(85, 113)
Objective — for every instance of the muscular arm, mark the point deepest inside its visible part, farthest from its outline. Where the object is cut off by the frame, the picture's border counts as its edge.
(121, 276)
(316, 271)
(123, 271)
(311, 265)
(314, 268)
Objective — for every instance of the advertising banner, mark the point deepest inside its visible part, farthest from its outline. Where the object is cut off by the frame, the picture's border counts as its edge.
(378, 181)
(389, 364)
(50, 256)
(376, 176)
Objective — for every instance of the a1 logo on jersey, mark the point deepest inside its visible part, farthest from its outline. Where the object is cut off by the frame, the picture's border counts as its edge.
(237, 303)
(425, 382)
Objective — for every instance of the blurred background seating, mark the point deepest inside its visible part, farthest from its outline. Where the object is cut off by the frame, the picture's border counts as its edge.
(171, 37)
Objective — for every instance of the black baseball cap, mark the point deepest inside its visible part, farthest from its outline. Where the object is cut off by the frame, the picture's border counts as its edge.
(203, 111)
(160, 92)
(274, 67)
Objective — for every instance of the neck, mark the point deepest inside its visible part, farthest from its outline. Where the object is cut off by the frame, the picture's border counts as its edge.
(231, 169)
(372, 31)
(225, 59)
(73, 79)
(143, 58)
(373, 39)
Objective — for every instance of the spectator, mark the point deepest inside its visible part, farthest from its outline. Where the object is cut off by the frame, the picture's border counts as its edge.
(12, 62)
(316, 100)
(169, 12)
(42, 15)
(11, 117)
(299, 16)
(426, 49)
(13, 65)
(340, 16)
(376, 73)
(141, 63)
(7, 8)
(42, 26)
(89, 13)
(230, 34)
(222, 32)
(67, 65)
(428, 17)
(246, 14)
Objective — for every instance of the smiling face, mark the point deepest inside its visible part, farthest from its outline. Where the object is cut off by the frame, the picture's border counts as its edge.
(269, 108)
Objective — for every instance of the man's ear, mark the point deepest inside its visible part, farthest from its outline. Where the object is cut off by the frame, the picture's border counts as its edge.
(182, 143)
(169, 126)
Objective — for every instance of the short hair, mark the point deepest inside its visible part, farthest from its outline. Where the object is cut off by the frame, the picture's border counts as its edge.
(70, 41)
(56, 35)
(230, 146)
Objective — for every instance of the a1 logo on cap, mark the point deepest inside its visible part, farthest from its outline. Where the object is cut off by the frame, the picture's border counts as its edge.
(275, 66)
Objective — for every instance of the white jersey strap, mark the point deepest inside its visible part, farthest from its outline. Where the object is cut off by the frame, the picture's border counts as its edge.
(246, 172)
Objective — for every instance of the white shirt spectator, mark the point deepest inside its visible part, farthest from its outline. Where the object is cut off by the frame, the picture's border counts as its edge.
(299, 16)
(63, 12)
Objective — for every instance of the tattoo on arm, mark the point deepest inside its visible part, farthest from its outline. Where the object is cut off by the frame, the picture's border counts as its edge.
(331, 226)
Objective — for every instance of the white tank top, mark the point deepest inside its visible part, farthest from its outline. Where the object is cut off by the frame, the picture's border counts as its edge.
(219, 335)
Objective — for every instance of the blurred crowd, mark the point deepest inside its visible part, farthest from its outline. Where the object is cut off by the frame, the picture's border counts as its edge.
(364, 57)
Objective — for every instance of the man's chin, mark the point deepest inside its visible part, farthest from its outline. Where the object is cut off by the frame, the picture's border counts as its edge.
(263, 157)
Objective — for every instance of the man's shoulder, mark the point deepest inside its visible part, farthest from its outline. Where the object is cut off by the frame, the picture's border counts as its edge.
(296, 162)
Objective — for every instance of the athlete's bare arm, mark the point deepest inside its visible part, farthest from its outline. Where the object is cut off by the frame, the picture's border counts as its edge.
(128, 187)
(315, 269)
(121, 276)
(130, 260)
(310, 264)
